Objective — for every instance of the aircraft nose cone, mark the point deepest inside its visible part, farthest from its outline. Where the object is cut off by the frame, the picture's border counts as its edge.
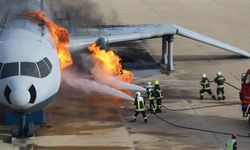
(19, 98)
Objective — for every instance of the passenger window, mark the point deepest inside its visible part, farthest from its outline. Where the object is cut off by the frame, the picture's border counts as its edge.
(48, 63)
(9, 70)
(29, 69)
(44, 70)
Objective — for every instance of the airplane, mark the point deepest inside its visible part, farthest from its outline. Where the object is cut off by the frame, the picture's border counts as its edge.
(30, 73)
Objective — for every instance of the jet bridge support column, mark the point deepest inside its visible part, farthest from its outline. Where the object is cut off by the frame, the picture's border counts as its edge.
(164, 58)
(167, 54)
(42, 5)
(170, 65)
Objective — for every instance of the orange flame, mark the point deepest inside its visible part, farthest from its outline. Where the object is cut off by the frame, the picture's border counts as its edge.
(110, 63)
(60, 37)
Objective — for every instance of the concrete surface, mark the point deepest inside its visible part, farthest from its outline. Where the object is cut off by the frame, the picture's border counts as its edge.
(80, 121)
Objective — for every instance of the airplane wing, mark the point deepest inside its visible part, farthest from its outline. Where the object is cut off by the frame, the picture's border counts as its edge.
(114, 34)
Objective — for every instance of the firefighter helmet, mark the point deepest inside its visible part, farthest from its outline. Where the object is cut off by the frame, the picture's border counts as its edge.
(149, 85)
(137, 93)
(219, 73)
(204, 75)
(156, 82)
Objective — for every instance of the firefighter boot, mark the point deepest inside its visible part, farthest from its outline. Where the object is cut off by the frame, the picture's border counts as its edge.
(133, 120)
(145, 120)
(223, 97)
(201, 97)
(158, 110)
(153, 111)
(213, 97)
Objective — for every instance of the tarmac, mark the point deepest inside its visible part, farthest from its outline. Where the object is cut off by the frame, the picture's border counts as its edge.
(79, 121)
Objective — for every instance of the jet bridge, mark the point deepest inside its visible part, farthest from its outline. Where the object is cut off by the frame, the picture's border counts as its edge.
(121, 33)
(167, 45)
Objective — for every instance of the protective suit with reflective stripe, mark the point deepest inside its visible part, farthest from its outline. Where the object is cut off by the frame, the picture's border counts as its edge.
(140, 108)
(150, 92)
(151, 98)
(231, 144)
(205, 84)
(140, 104)
(220, 80)
(158, 96)
(205, 88)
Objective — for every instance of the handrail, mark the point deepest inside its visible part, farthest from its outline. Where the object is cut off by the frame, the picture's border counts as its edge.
(4, 20)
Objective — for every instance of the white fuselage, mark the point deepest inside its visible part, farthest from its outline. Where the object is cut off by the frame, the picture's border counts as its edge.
(29, 67)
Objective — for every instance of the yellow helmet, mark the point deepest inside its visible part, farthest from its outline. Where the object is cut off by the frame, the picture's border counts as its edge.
(156, 82)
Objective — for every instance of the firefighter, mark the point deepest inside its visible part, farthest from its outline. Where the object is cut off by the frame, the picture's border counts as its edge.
(158, 95)
(151, 96)
(231, 143)
(205, 87)
(140, 107)
(220, 80)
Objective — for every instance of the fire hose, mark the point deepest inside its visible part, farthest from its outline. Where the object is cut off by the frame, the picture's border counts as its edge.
(201, 107)
(196, 129)
(235, 103)
(232, 86)
(199, 129)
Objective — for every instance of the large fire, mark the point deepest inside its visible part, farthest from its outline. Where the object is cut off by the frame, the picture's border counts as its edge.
(108, 60)
(110, 63)
(60, 36)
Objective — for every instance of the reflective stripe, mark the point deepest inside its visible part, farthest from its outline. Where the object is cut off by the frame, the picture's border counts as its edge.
(151, 94)
(220, 86)
(220, 81)
(205, 85)
(159, 94)
(230, 144)
(140, 104)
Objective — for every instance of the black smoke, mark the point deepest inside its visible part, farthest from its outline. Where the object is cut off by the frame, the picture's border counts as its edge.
(82, 12)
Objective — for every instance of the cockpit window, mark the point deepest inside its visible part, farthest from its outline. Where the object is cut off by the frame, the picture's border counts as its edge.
(29, 69)
(9, 70)
(39, 69)
(44, 69)
(48, 63)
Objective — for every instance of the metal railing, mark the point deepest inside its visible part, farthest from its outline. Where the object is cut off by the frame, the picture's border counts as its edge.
(4, 19)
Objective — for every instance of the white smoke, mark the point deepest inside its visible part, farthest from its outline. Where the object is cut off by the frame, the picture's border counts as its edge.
(74, 80)
(96, 80)
(119, 84)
